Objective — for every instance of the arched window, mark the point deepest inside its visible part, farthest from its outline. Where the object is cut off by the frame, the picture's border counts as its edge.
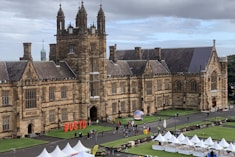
(178, 86)
(214, 80)
(193, 86)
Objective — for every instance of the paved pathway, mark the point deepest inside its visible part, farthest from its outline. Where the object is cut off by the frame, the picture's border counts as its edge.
(108, 136)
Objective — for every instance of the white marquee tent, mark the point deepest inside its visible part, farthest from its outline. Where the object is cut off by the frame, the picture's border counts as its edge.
(57, 152)
(84, 154)
(69, 150)
(79, 147)
(44, 153)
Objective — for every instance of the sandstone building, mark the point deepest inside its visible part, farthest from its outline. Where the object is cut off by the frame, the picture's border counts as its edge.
(80, 83)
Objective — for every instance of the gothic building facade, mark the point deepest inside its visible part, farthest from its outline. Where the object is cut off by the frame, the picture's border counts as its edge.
(80, 83)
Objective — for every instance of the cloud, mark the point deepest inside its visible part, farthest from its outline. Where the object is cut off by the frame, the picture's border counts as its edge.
(149, 23)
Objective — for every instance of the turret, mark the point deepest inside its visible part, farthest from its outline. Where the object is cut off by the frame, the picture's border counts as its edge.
(101, 21)
(81, 19)
(60, 21)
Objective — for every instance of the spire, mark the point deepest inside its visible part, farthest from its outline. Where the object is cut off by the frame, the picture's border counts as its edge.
(43, 52)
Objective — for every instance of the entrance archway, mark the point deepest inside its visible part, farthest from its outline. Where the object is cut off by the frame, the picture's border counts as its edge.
(30, 128)
(214, 102)
(93, 113)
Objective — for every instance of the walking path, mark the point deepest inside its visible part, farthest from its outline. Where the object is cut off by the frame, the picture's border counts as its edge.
(109, 136)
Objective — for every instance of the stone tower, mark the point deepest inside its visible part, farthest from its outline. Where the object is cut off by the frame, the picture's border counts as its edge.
(84, 49)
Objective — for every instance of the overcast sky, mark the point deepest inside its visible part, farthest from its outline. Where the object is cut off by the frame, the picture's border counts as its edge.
(129, 23)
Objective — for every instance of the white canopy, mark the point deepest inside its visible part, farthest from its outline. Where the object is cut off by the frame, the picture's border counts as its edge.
(160, 138)
(231, 148)
(201, 144)
(209, 142)
(84, 154)
(57, 152)
(181, 137)
(44, 153)
(223, 143)
(187, 142)
(174, 140)
(167, 136)
(216, 146)
(69, 150)
(79, 147)
(195, 139)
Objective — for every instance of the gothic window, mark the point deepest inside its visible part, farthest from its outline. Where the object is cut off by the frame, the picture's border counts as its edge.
(178, 86)
(6, 123)
(193, 86)
(5, 97)
(213, 80)
(64, 114)
(159, 85)
(52, 116)
(94, 65)
(114, 88)
(63, 92)
(30, 98)
(149, 87)
(94, 88)
(114, 107)
(51, 93)
(123, 87)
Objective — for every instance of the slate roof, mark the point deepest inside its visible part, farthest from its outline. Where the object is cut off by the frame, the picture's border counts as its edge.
(121, 68)
(190, 60)
(49, 70)
(13, 71)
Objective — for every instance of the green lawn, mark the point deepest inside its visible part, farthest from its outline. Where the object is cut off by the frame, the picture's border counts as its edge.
(146, 149)
(70, 134)
(216, 132)
(173, 112)
(190, 124)
(229, 124)
(9, 144)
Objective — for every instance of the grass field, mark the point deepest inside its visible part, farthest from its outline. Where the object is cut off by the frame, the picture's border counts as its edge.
(9, 144)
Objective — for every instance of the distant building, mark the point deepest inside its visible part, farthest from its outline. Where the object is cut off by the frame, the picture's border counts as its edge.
(80, 83)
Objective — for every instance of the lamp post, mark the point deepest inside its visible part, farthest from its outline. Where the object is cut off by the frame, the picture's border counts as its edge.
(175, 122)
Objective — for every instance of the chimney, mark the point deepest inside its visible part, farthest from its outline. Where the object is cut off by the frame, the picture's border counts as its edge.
(27, 52)
(52, 53)
(214, 42)
(113, 53)
(138, 53)
(158, 53)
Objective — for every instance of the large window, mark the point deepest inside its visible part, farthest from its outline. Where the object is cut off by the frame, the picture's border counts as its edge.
(213, 80)
(193, 86)
(64, 113)
(167, 85)
(123, 106)
(30, 98)
(43, 94)
(114, 107)
(159, 84)
(51, 93)
(63, 92)
(52, 116)
(123, 87)
(134, 105)
(149, 87)
(134, 87)
(5, 97)
(178, 86)
(159, 101)
(114, 88)
(6, 123)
